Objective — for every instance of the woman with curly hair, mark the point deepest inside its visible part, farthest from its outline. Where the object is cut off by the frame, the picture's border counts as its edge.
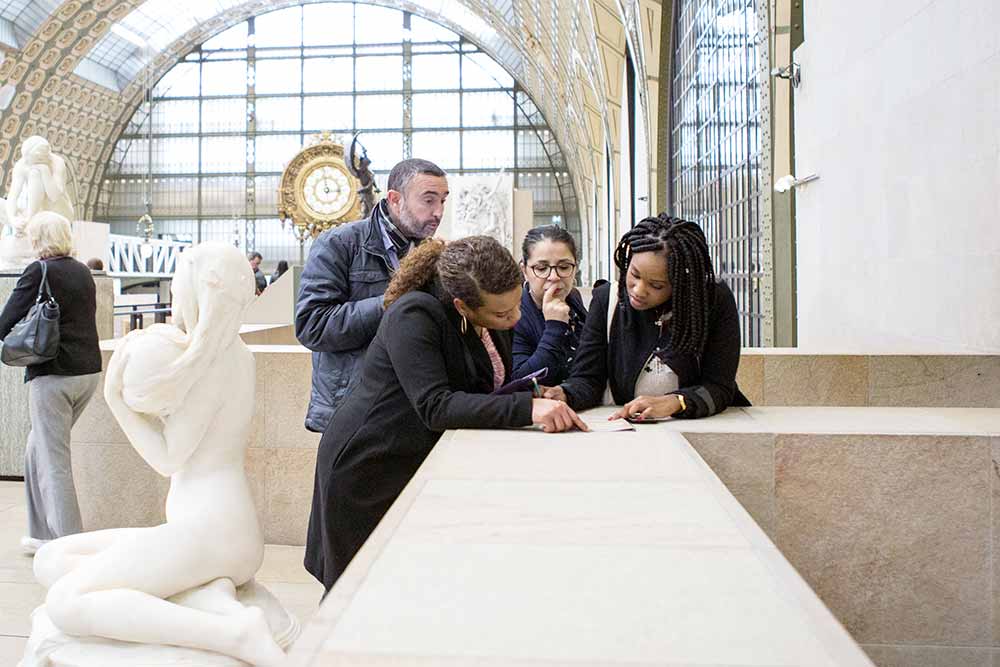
(665, 340)
(442, 347)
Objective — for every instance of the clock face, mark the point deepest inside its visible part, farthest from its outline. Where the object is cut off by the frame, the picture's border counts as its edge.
(327, 191)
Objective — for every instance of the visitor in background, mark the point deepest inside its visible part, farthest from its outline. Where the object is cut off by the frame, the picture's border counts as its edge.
(95, 264)
(673, 344)
(60, 389)
(552, 311)
(255, 259)
(280, 271)
(340, 293)
(442, 347)
(599, 282)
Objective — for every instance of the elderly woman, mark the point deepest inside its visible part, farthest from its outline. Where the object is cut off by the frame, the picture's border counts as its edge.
(60, 389)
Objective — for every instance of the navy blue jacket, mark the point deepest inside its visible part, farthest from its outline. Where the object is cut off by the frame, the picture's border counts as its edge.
(339, 308)
(541, 343)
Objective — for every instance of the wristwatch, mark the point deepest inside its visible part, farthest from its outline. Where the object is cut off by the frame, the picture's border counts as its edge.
(680, 398)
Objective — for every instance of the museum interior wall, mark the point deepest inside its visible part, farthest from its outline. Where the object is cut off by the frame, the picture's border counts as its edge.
(897, 114)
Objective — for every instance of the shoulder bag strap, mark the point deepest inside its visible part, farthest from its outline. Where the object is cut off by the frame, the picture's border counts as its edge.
(43, 287)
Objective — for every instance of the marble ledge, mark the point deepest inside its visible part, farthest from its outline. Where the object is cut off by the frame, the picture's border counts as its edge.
(847, 352)
(840, 420)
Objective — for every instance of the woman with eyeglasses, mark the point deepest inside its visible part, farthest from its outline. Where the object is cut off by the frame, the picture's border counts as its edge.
(552, 312)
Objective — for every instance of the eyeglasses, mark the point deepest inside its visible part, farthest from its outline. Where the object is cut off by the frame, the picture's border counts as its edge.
(562, 270)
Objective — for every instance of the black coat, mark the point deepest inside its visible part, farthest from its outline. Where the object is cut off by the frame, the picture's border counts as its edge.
(72, 286)
(707, 381)
(540, 343)
(421, 376)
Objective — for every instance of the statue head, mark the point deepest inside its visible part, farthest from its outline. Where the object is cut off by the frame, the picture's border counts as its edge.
(212, 287)
(35, 150)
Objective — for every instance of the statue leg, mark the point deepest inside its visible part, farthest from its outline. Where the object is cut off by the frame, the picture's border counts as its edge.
(57, 558)
(119, 593)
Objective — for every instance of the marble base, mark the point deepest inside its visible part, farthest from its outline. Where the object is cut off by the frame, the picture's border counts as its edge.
(15, 422)
(48, 647)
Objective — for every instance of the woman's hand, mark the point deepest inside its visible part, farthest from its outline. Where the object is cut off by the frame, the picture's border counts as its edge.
(649, 407)
(555, 416)
(555, 393)
(554, 307)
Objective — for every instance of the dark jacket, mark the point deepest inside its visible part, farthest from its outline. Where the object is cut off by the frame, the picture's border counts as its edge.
(73, 288)
(339, 307)
(420, 377)
(707, 382)
(541, 343)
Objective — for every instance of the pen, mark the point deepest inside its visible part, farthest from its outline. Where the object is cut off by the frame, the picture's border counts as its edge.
(536, 391)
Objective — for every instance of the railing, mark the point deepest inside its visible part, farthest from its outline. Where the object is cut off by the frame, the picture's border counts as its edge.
(137, 313)
(133, 255)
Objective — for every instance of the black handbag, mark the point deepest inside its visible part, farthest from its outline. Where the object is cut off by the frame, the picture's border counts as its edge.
(35, 339)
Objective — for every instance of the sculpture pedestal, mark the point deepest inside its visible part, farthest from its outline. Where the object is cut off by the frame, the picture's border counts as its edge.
(48, 647)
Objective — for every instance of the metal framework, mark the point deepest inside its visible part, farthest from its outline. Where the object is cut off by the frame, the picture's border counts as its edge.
(187, 203)
(720, 166)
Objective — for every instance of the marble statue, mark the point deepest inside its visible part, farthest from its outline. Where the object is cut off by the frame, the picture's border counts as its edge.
(183, 393)
(38, 184)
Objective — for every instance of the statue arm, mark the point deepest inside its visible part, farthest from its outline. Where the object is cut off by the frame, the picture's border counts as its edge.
(54, 178)
(145, 432)
(16, 185)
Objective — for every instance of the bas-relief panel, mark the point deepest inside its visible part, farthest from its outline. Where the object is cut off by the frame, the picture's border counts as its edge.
(480, 204)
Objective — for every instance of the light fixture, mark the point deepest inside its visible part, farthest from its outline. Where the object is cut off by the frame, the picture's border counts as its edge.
(792, 73)
(786, 183)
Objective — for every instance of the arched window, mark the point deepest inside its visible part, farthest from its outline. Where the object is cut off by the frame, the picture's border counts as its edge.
(412, 87)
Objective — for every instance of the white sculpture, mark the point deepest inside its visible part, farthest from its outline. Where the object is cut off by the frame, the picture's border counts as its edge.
(483, 205)
(38, 184)
(184, 395)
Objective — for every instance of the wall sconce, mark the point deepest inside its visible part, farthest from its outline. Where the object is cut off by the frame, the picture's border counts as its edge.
(792, 73)
(786, 183)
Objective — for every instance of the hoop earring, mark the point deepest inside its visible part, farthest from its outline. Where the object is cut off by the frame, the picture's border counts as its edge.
(464, 325)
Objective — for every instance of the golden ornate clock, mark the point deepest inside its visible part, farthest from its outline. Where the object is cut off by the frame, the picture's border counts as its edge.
(317, 190)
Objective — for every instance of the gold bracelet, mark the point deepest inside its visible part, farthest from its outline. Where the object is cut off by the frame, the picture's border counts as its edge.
(680, 397)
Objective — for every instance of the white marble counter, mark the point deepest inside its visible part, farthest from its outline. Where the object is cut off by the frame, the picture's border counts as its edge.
(517, 547)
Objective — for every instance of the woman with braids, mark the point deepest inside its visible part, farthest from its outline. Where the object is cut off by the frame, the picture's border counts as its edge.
(443, 345)
(673, 344)
(552, 312)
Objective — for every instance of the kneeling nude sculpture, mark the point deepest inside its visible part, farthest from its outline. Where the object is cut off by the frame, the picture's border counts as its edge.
(181, 592)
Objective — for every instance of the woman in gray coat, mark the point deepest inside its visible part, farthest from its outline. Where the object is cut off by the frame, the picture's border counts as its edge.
(60, 389)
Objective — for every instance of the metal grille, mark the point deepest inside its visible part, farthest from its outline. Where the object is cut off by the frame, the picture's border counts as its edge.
(229, 117)
(716, 147)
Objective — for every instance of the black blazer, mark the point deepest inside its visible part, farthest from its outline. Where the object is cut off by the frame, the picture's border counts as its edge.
(420, 376)
(707, 381)
(73, 287)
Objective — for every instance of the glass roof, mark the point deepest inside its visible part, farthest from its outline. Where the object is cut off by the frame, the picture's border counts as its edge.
(154, 25)
(22, 18)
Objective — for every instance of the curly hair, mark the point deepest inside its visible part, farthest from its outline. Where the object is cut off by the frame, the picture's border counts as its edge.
(466, 268)
(689, 270)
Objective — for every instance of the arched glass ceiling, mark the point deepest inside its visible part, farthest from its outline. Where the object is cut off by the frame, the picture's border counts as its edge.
(19, 19)
(150, 28)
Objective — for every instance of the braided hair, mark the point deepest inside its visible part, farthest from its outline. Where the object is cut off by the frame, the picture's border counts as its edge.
(689, 270)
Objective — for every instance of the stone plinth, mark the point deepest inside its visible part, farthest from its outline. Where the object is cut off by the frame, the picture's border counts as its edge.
(14, 420)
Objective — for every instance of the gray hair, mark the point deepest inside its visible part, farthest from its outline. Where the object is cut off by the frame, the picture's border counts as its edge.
(404, 171)
(50, 235)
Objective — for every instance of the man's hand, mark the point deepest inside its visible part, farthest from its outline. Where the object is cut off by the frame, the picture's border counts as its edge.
(554, 307)
(648, 407)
